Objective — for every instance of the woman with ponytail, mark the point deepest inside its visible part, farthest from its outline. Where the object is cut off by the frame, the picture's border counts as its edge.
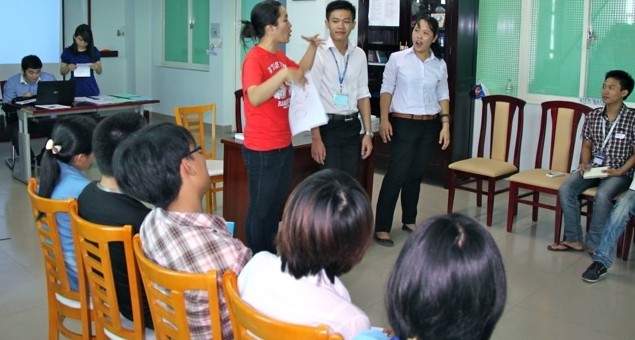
(66, 155)
(267, 75)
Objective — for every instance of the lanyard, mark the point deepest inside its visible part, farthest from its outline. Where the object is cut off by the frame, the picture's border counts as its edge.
(340, 75)
(607, 136)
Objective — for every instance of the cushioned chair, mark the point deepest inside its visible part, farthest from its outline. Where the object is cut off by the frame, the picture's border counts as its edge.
(248, 323)
(93, 243)
(497, 130)
(166, 289)
(63, 303)
(559, 128)
(192, 118)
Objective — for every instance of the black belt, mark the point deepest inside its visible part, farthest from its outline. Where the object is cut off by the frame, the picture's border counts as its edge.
(346, 118)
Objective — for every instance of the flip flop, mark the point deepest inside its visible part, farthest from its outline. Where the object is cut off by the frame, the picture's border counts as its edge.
(565, 246)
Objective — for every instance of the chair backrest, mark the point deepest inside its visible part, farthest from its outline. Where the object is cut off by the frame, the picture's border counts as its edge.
(192, 118)
(62, 301)
(165, 290)
(560, 121)
(498, 116)
(93, 243)
(238, 109)
(248, 323)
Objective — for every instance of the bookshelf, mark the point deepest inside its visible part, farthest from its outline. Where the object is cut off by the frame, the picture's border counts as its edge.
(458, 23)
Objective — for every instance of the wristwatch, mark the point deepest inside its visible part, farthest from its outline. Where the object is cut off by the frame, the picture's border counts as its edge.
(369, 133)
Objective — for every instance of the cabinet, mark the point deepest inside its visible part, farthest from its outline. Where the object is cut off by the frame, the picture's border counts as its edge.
(458, 39)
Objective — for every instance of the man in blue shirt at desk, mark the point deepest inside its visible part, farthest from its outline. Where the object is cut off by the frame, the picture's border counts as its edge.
(20, 87)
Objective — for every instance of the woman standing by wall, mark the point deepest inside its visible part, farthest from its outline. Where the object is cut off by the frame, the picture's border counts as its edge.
(414, 104)
(82, 51)
(267, 151)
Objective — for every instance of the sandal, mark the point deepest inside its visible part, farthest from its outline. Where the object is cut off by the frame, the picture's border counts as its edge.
(563, 247)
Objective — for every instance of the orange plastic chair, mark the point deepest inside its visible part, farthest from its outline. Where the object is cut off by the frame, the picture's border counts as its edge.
(93, 243)
(497, 162)
(192, 118)
(165, 290)
(248, 323)
(63, 303)
(560, 123)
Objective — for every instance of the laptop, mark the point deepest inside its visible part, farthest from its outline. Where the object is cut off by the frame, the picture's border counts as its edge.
(60, 92)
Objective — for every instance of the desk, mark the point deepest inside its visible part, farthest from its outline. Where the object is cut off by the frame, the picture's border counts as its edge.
(235, 185)
(22, 170)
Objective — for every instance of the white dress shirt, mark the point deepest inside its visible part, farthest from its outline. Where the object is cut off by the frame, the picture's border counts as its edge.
(326, 76)
(416, 86)
(311, 300)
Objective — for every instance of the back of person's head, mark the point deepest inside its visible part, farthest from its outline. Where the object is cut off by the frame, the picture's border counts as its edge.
(327, 224)
(31, 62)
(109, 133)
(625, 79)
(448, 282)
(264, 13)
(147, 163)
(71, 137)
(340, 4)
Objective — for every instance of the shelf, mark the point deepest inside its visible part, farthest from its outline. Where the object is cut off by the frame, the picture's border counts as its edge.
(109, 54)
(376, 64)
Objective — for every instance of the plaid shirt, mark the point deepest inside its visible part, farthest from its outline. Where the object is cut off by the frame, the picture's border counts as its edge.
(195, 243)
(619, 146)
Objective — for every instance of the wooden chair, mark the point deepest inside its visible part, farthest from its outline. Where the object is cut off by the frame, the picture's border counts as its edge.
(192, 118)
(248, 323)
(165, 290)
(560, 122)
(238, 110)
(624, 242)
(497, 117)
(93, 241)
(63, 303)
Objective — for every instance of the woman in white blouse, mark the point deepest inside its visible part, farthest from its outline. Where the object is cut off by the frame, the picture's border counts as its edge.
(325, 231)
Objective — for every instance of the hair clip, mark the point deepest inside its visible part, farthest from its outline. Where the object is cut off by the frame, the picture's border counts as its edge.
(50, 145)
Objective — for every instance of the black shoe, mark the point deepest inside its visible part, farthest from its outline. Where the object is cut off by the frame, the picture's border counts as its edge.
(594, 273)
(405, 227)
(386, 242)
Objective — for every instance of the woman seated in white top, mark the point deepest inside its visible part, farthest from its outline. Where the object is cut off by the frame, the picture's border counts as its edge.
(326, 228)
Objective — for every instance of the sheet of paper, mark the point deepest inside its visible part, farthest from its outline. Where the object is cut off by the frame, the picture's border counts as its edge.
(383, 13)
(52, 106)
(82, 71)
(305, 109)
(97, 100)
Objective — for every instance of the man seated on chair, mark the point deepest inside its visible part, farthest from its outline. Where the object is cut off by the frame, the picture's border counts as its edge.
(603, 256)
(102, 202)
(24, 86)
(162, 165)
(608, 141)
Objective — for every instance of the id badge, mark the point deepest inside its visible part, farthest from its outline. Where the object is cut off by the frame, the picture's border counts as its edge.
(340, 99)
(598, 159)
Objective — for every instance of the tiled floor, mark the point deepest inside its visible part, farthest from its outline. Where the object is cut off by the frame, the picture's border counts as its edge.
(546, 298)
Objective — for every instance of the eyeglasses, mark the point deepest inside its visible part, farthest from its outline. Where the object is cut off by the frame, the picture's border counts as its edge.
(196, 149)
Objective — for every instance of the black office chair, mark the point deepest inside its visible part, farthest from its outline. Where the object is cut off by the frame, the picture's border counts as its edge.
(9, 161)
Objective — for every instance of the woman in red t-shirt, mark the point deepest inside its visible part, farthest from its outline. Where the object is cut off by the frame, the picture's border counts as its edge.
(267, 150)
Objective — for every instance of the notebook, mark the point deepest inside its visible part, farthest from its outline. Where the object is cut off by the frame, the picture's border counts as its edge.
(60, 92)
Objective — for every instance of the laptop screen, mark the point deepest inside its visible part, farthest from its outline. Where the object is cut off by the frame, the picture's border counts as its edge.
(55, 92)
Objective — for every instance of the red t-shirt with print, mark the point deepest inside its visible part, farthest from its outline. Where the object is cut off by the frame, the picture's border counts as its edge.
(266, 125)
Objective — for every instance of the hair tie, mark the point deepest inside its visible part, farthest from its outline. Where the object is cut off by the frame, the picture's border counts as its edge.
(50, 145)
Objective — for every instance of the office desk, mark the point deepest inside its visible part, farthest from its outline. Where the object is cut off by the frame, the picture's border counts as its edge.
(22, 170)
(235, 187)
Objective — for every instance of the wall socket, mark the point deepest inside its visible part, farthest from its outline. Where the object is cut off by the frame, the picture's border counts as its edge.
(214, 31)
